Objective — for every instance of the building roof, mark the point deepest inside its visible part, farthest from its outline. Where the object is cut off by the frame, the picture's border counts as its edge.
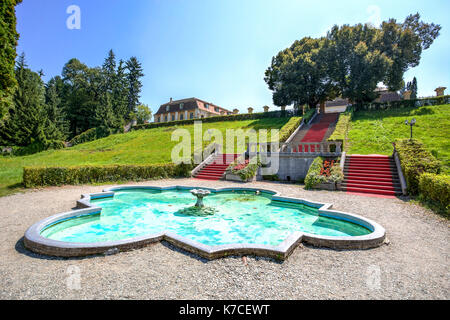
(189, 104)
(389, 96)
(338, 102)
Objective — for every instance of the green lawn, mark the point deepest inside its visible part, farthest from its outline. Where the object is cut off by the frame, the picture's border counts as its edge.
(137, 147)
(374, 131)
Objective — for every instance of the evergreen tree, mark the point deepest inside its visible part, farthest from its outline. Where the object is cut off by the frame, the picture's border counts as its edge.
(26, 124)
(414, 88)
(58, 125)
(135, 73)
(8, 41)
(120, 91)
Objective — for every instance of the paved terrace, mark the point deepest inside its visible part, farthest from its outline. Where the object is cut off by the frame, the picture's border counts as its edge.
(415, 265)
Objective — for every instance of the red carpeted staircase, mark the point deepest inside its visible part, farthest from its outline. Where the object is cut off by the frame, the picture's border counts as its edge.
(216, 169)
(373, 174)
(317, 131)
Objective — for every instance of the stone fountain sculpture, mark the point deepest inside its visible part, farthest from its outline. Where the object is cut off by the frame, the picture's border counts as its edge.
(200, 194)
(199, 209)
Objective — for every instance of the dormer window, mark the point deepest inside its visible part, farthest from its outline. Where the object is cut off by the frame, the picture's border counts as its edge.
(167, 108)
(181, 106)
(206, 106)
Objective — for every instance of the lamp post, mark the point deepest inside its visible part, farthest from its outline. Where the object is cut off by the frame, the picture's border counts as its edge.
(411, 123)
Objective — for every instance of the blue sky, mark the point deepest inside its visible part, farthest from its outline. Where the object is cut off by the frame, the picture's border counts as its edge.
(216, 50)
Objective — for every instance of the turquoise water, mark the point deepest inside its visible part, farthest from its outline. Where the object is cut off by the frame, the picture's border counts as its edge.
(241, 217)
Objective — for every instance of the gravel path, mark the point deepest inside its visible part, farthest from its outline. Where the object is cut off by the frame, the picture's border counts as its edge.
(415, 265)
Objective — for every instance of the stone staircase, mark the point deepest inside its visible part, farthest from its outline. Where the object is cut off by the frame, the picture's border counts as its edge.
(216, 169)
(372, 174)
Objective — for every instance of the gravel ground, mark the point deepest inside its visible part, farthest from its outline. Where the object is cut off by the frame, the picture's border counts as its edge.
(414, 265)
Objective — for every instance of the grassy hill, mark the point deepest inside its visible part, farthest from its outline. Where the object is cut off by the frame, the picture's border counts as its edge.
(137, 147)
(374, 131)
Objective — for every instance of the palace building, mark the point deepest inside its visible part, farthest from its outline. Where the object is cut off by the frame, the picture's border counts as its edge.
(191, 108)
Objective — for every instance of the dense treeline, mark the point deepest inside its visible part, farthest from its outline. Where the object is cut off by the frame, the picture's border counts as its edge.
(42, 115)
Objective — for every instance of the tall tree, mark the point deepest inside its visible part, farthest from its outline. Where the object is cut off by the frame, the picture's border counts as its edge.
(135, 73)
(26, 124)
(58, 125)
(82, 92)
(414, 88)
(8, 41)
(299, 75)
(356, 65)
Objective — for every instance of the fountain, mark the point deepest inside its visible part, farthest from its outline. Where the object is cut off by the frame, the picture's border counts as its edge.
(200, 193)
(199, 209)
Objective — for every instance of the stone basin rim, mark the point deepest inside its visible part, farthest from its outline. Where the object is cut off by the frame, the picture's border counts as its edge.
(39, 244)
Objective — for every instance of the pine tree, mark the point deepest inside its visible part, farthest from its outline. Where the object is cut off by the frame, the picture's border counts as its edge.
(57, 123)
(27, 121)
(8, 40)
(120, 91)
(414, 88)
(135, 72)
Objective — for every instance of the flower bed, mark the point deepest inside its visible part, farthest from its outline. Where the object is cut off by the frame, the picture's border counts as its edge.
(242, 170)
(323, 174)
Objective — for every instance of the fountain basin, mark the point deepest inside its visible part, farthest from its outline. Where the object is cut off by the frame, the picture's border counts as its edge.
(114, 220)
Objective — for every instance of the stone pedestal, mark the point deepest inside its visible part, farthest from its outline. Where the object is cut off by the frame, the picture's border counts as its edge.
(250, 110)
(407, 95)
(266, 109)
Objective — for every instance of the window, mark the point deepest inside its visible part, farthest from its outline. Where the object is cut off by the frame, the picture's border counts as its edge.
(191, 115)
(158, 119)
(173, 117)
(206, 106)
(167, 108)
(181, 106)
(216, 109)
(165, 118)
(181, 116)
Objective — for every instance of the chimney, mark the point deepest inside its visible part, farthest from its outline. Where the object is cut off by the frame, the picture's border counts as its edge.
(407, 95)
(440, 91)
(171, 100)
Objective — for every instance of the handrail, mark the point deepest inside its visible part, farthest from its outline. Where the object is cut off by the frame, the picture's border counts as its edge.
(403, 183)
(208, 155)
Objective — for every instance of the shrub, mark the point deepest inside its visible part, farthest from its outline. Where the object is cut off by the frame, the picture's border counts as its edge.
(56, 176)
(289, 128)
(246, 170)
(435, 189)
(342, 127)
(431, 101)
(415, 160)
(323, 171)
(313, 177)
(87, 136)
(309, 114)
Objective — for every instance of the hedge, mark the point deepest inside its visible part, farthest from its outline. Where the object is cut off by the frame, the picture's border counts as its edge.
(435, 189)
(342, 127)
(314, 176)
(248, 172)
(431, 101)
(289, 128)
(232, 117)
(56, 176)
(415, 160)
(87, 136)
